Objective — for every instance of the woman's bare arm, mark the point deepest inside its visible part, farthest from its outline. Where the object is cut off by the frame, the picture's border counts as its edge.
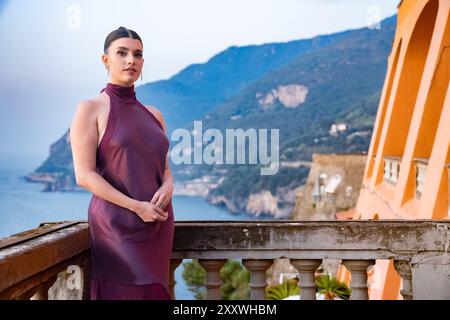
(84, 141)
(165, 192)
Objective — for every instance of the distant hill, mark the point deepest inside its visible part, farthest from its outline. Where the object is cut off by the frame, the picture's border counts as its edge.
(200, 88)
(57, 172)
(336, 86)
(341, 83)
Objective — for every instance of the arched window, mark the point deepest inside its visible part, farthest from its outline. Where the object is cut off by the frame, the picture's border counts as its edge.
(410, 78)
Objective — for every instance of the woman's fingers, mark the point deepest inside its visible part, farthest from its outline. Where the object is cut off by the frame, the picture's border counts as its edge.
(158, 210)
(161, 203)
(161, 218)
(159, 199)
(155, 197)
(156, 217)
(162, 213)
(153, 213)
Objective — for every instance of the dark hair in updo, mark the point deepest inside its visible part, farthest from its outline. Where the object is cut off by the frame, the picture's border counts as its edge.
(120, 32)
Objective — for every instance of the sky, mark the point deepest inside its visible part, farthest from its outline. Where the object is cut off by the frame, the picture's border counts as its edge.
(51, 50)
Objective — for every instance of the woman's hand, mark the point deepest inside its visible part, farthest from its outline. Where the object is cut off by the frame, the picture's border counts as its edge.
(163, 195)
(149, 212)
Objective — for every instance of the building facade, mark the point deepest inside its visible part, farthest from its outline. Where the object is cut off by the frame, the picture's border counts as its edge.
(407, 170)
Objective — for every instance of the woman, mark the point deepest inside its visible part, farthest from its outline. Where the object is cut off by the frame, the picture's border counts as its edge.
(119, 149)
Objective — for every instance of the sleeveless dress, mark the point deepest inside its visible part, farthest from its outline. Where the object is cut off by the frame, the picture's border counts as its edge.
(130, 258)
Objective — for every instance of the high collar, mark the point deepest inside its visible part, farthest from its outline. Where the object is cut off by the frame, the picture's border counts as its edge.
(125, 93)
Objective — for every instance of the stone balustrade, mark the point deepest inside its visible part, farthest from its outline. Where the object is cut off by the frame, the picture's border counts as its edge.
(52, 262)
(420, 166)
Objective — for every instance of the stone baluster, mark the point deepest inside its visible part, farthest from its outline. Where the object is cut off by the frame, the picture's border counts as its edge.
(213, 281)
(27, 294)
(42, 289)
(358, 271)
(403, 268)
(307, 280)
(258, 282)
(174, 263)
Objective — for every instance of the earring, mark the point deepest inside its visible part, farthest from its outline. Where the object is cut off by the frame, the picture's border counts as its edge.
(141, 75)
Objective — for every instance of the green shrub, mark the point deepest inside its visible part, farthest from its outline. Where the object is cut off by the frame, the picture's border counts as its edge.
(331, 288)
(286, 289)
(235, 280)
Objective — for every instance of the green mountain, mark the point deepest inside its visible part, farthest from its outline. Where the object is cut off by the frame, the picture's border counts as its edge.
(200, 88)
(343, 82)
(324, 101)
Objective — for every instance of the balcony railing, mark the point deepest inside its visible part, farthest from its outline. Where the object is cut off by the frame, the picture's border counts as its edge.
(35, 261)
(52, 262)
(421, 165)
(391, 169)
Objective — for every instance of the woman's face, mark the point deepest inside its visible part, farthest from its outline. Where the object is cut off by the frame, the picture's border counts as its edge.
(124, 61)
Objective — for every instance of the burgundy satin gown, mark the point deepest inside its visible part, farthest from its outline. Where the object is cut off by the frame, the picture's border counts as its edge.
(130, 258)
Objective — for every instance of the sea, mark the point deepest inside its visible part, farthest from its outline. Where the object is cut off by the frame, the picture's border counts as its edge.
(23, 206)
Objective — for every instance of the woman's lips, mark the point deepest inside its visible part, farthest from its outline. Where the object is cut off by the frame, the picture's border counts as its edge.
(131, 70)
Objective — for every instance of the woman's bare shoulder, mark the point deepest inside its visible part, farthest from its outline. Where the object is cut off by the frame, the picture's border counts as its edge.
(92, 106)
(153, 110)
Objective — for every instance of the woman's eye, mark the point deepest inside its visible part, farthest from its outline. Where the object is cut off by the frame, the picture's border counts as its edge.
(121, 53)
(139, 55)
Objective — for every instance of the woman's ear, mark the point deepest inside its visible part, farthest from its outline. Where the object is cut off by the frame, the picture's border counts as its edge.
(105, 61)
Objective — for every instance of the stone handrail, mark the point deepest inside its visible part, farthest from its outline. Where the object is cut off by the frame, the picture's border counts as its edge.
(37, 268)
(34, 261)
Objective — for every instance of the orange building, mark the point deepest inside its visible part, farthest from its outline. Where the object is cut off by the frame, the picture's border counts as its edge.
(407, 170)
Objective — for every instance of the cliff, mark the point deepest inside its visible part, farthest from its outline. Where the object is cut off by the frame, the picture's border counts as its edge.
(56, 173)
(333, 185)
